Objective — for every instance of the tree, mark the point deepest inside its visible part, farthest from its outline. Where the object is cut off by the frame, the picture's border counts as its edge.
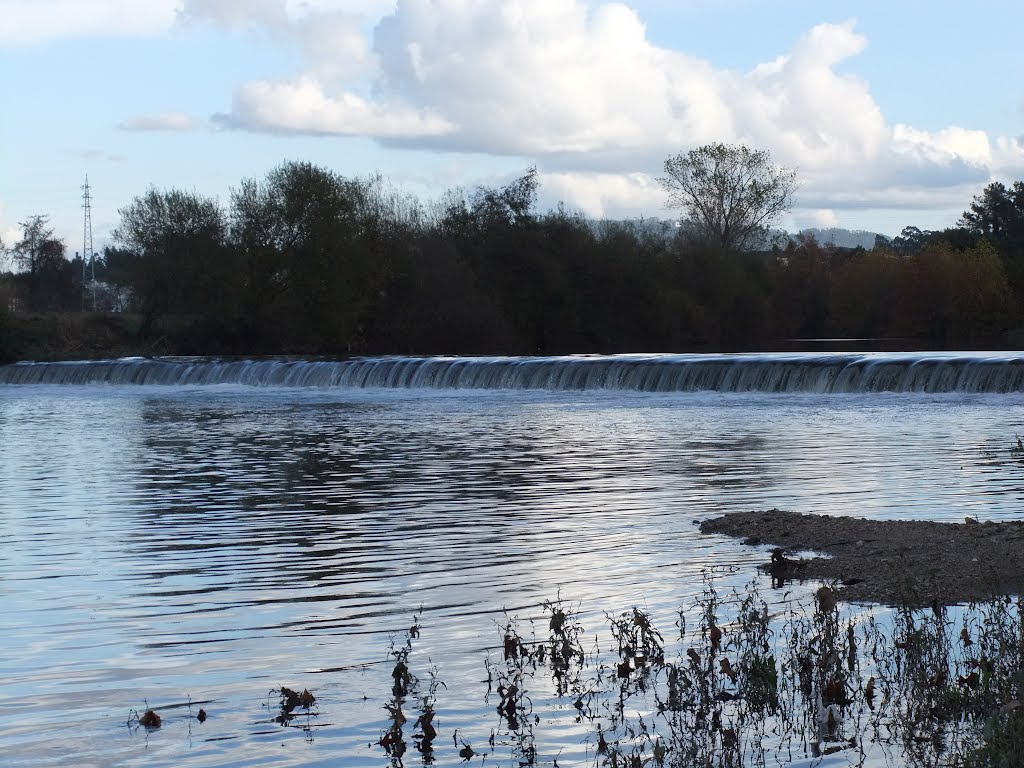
(911, 240)
(512, 205)
(36, 245)
(997, 212)
(731, 194)
(39, 256)
(174, 254)
(947, 295)
(308, 241)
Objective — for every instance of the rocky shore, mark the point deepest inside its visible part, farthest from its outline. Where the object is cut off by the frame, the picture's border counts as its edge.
(887, 561)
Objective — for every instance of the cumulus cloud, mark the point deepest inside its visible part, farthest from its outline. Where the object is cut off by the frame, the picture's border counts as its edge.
(1009, 154)
(584, 92)
(335, 47)
(32, 21)
(241, 13)
(303, 106)
(367, 8)
(604, 195)
(332, 40)
(167, 121)
(10, 233)
(238, 14)
(536, 79)
(577, 87)
(819, 218)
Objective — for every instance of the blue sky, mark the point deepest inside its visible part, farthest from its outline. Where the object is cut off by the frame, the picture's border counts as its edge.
(892, 113)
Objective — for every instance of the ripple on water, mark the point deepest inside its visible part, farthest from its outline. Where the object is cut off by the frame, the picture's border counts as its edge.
(161, 545)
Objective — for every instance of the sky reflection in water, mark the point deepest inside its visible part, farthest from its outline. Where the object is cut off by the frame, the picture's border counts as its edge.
(160, 544)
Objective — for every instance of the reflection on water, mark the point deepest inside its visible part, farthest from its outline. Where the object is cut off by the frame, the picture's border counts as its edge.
(162, 545)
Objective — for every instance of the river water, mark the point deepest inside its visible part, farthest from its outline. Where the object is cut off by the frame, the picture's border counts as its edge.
(193, 546)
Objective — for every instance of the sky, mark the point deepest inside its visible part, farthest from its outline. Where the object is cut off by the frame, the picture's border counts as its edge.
(891, 113)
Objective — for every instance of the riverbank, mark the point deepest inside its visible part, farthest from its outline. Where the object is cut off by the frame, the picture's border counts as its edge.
(52, 336)
(70, 336)
(887, 561)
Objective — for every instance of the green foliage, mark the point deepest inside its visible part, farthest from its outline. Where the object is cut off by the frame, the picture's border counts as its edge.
(761, 683)
(997, 213)
(1002, 742)
(173, 254)
(6, 337)
(305, 260)
(308, 247)
(949, 295)
(46, 279)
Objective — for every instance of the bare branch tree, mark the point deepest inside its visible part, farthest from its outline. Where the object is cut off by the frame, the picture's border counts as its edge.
(730, 194)
(36, 245)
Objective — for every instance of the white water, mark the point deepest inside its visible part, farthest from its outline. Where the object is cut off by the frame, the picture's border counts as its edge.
(822, 373)
(161, 543)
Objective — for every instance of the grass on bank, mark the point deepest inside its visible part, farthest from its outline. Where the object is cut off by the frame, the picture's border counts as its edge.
(50, 336)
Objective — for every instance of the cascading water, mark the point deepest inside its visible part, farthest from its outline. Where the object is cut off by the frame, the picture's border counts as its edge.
(821, 373)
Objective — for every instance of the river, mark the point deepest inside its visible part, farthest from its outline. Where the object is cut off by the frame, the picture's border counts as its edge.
(197, 545)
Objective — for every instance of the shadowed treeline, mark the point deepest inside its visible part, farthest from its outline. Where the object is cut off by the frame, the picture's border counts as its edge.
(307, 261)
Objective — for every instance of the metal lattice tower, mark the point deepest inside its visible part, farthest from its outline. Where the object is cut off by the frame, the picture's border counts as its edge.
(88, 256)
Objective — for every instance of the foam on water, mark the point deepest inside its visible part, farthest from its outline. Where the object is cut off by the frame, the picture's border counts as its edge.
(822, 373)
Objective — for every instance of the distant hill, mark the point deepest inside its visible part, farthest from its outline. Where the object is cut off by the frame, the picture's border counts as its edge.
(843, 238)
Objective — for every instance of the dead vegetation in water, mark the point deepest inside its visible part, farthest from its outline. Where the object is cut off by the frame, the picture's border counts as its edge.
(151, 720)
(411, 691)
(745, 687)
(732, 684)
(293, 700)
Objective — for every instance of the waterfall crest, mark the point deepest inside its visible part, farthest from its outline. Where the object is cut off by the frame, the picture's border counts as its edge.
(820, 373)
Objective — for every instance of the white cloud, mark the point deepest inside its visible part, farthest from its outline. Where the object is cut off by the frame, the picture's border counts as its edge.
(10, 233)
(31, 21)
(820, 218)
(947, 145)
(605, 195)
(585, 93)
(332, 39)
(543, 79)
(302, 106)
(577, 87)
(367, 8)
(167, 121)
(237, 13)
(335, 46)
(1009, 155)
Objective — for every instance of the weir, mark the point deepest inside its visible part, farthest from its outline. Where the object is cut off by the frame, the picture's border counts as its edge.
(774, 372)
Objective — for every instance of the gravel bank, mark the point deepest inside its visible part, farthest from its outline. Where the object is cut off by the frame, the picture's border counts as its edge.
(888, 561)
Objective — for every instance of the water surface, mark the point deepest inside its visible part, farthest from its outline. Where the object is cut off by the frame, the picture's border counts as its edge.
(161, 544)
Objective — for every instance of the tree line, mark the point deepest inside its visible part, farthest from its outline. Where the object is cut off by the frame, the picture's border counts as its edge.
(308, 261)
